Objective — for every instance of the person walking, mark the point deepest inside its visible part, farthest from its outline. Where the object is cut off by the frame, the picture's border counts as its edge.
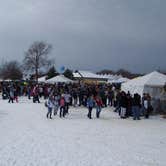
(11, 94)
(99, 105)
(67, 98)
(50, 106)
(62, 107)
(90, 105)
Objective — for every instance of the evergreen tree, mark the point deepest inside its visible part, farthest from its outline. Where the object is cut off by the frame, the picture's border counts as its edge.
(68, 73)
(52, 72)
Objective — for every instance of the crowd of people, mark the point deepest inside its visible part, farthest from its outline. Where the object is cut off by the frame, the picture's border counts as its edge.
(60, 97)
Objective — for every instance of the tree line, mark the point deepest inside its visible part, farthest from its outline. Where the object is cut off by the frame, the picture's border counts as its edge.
(36, 59)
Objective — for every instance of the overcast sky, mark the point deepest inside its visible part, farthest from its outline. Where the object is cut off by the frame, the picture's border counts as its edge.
(88, 34)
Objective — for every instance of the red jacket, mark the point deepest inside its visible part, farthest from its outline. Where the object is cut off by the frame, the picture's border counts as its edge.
(99, 102)
(62, 102)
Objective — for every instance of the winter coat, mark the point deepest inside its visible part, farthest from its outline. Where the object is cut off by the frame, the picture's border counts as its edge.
(67, 97)
(50, 103)
(62, 102)
(11, 93)
(56, 101)
(136, 101)
(90, 103)
(99, 102)
(123, 101)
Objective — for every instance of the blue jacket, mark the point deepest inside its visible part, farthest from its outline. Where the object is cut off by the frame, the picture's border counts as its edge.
(90, 102)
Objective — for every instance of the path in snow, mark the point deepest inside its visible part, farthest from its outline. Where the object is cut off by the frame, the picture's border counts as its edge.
(27, 138)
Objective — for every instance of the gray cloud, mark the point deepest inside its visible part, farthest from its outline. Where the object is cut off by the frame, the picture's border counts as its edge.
(88, 34)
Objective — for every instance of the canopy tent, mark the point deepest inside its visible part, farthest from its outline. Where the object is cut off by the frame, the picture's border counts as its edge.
(59, 79)
(42, 79)
(153, 84)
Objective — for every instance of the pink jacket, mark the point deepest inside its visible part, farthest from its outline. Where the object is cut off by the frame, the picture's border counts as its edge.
(62, 102)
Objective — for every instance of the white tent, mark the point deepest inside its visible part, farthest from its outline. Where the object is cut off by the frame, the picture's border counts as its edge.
(86, 74)
(42, 79)
(59, 79)
(119, 80)
(152, 83)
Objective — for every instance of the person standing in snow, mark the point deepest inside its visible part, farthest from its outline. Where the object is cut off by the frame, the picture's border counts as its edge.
(99, 105)
(11, 94)
(90, 105)
(117, 105)
(147, 106)
(110, 97)
(67, 97)
(136, 105)
(29, 92)
(36, 94)
(50, 106)
(75, 97)
(129, 104)
(62, 107)
(123, 105)
(56, 103)
(103, 96)
(40, 91)
(15, 94)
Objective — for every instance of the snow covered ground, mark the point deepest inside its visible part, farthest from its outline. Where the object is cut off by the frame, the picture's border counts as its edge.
(27, 138)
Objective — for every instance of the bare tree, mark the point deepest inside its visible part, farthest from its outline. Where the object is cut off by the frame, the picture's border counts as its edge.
(11, 70)
(36, 57)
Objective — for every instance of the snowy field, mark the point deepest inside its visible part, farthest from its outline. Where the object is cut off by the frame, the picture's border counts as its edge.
(27, 138)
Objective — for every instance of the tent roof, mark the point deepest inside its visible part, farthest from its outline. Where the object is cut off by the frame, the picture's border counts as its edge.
(153, 79)
(120, 80)
(42, 79)
(86, 74)
(59, 78)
